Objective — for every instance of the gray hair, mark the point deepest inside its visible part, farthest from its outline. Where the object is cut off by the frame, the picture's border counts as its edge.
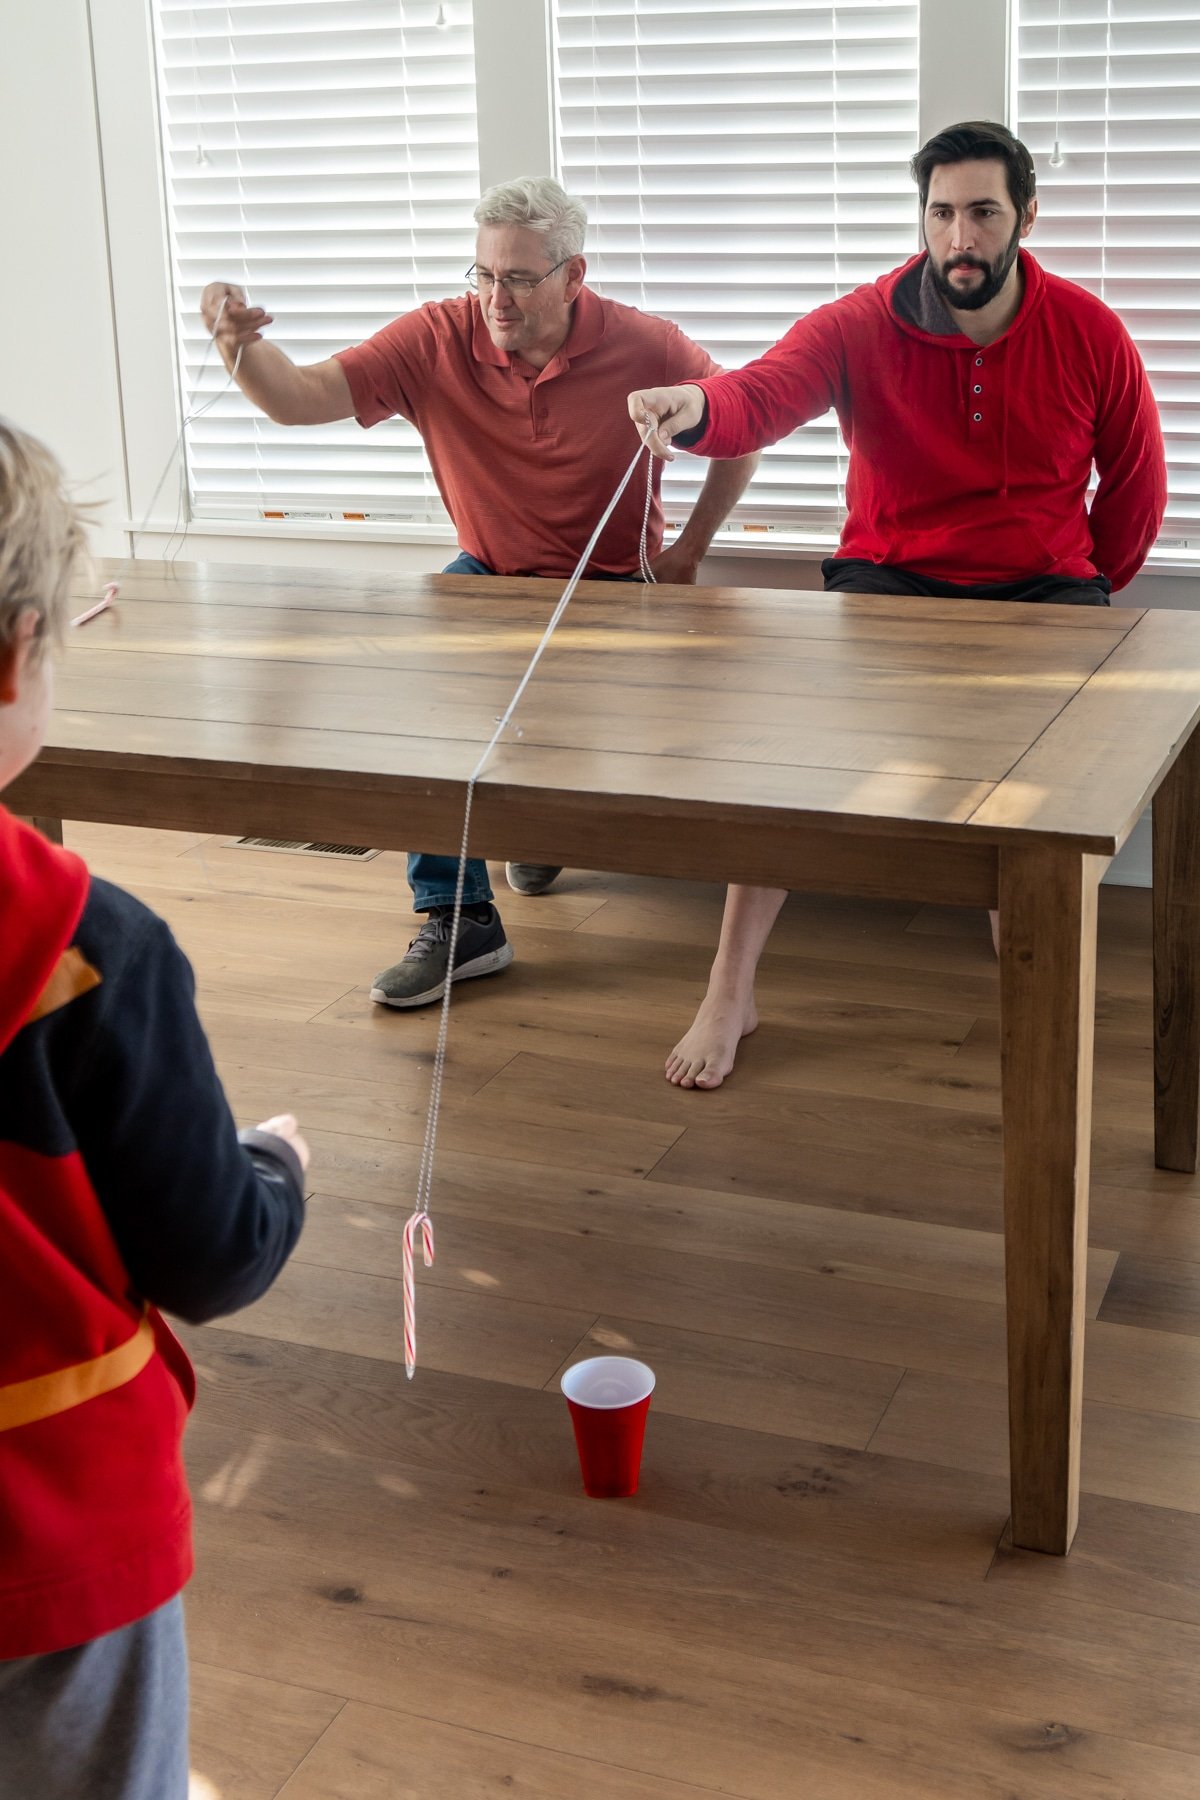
(539, 204)
(41, 535)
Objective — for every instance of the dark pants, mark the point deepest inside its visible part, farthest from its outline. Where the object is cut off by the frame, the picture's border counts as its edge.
(432, 878)
(847, 574)
(107, 1720)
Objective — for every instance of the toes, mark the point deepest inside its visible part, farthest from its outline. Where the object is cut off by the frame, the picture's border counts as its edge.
(686, 1071)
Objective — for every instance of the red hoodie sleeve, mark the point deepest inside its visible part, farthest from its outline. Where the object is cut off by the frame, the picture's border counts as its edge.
(1129, 503)
(798, 379)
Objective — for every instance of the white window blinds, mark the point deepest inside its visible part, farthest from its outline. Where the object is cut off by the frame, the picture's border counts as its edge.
(742, 165)
(323, 154)
(1108, 101)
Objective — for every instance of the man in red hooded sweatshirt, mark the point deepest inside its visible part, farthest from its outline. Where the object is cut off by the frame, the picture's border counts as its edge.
(123, 1187)
(976, 394)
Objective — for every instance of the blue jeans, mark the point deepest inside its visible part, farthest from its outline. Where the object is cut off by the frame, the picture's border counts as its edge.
(466, 564)
(432, 878)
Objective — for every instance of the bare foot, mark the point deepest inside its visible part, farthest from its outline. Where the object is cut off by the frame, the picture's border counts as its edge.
(703, 1057)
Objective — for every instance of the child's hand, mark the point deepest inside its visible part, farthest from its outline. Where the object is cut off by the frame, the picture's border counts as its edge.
(284, 1126)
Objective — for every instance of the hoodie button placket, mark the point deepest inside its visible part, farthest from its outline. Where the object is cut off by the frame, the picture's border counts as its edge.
(976, 390)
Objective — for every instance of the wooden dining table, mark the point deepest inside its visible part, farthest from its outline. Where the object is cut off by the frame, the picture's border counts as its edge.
(974, 753)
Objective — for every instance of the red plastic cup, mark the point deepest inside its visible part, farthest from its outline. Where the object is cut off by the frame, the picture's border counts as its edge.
(609, 1397)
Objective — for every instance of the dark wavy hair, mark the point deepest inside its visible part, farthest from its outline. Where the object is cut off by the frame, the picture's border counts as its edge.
(978, 141)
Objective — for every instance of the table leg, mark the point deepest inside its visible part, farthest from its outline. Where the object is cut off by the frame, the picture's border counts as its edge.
(1177, 961)
(1047, 994)
(49, 828)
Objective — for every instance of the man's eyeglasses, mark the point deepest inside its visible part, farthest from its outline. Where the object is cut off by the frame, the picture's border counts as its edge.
(482, 281)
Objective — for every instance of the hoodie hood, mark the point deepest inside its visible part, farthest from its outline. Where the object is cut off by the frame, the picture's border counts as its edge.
(889, 287)
(42, 893)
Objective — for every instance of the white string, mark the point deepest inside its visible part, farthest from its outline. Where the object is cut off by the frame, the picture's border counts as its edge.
(648, 574)
(428, 1147)
(1055, 158)
(114, 587)
(189, 419)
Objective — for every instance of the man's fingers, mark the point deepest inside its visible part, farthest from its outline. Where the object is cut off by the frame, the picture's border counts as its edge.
(242, 326)
(646, 410)
(657, 438)
(280, 1124)
(220, 295)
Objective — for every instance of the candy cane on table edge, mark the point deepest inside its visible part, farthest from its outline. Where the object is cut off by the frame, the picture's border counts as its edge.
(93, 612)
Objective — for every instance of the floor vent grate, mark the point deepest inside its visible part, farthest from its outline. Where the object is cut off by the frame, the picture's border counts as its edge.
(297, 847)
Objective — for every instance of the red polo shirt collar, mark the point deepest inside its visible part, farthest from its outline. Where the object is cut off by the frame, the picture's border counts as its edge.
(585, 332)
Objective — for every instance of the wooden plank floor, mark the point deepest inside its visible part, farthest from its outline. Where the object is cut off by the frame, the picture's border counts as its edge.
(402, 1593)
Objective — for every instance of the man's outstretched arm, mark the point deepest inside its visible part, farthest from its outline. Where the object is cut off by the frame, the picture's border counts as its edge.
(289, 394)
(724, 486)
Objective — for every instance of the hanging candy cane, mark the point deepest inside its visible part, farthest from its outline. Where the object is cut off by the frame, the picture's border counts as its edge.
(410, 1298)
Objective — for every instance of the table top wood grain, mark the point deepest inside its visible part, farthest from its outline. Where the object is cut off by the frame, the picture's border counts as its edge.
(902, 717)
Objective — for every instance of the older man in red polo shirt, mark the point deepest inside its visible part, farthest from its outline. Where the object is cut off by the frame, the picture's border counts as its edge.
(516, 390)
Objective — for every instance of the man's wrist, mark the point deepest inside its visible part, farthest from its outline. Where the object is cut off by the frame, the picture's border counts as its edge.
(690, 545)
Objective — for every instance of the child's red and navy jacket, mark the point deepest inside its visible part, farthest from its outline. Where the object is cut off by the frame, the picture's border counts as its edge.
(123, 1187)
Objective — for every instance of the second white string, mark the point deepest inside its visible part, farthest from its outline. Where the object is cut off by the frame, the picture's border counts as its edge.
(425, 1170)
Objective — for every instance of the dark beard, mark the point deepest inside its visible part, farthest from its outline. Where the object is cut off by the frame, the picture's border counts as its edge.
(994, 277)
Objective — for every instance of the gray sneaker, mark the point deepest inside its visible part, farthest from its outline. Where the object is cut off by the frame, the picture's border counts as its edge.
(530, 878)
(420, 976)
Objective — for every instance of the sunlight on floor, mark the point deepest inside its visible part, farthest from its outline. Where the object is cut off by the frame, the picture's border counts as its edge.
(398, 1485)
(612, 1340)
(478, 1278)
(230, 1485)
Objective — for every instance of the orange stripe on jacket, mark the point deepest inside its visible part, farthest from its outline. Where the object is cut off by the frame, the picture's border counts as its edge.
(42, 1396)
(71, 976)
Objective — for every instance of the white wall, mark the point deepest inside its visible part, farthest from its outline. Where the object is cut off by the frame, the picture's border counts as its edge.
(58, 371)
(86, 359)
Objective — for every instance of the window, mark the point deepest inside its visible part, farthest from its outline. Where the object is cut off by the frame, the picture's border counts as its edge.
(321, 153)
(1108, 101)
(741, 165)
